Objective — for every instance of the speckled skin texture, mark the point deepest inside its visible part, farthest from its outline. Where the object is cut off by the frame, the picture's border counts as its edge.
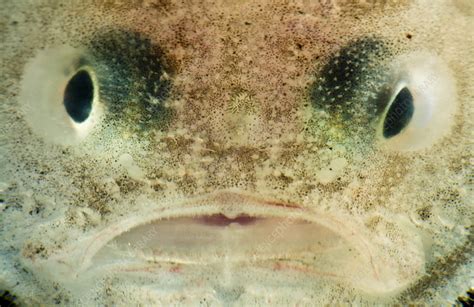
(234, 152)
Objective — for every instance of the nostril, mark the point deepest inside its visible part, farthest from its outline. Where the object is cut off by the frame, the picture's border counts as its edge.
(78, 96)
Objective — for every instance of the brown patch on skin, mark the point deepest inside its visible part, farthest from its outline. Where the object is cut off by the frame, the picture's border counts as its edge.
(94, 195)
(438, 273)
(34, 249)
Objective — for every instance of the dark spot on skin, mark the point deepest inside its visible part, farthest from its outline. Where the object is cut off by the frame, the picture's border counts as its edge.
(7, 299)
(424, 213)
(468, 299)
(78, 96)
(399, 114)
(134, 78)
(351, 79)
(409, 36)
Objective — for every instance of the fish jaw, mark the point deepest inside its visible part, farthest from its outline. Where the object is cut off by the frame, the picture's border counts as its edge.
(234, 232)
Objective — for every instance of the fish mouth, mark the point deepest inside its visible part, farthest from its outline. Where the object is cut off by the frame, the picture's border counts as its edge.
(240, 231)
(208, 239)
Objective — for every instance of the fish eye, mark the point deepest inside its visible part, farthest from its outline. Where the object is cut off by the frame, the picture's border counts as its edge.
(421, 108)
(61, 86)
(78, 96)
(59, 95)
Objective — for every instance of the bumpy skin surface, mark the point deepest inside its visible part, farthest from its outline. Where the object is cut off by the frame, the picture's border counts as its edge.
(257, 112)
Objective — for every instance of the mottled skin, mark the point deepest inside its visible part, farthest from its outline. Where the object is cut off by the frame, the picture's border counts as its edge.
(236, 108)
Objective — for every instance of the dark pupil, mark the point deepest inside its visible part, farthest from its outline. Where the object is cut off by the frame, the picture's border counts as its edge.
(399, 114)
(78, 96)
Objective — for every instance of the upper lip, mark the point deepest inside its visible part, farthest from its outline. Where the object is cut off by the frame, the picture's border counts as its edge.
(224, 208)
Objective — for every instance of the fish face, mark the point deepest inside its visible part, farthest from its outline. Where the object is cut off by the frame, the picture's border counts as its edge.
(243, 152)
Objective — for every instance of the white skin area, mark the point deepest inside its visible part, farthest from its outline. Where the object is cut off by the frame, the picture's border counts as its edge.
(338, 213)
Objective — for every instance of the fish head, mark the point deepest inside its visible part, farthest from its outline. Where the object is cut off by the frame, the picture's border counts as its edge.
(236, 151)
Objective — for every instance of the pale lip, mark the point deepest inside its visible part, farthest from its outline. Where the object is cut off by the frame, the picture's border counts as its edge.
(244, 229)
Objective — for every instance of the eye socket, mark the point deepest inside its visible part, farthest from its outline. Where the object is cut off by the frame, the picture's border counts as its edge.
(399, 113)
(78, 96)
(422, 107)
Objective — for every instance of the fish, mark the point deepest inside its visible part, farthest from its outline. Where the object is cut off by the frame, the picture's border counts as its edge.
(218, 152)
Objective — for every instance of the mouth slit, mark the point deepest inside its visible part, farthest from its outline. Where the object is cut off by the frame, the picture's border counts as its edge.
(222, 220)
